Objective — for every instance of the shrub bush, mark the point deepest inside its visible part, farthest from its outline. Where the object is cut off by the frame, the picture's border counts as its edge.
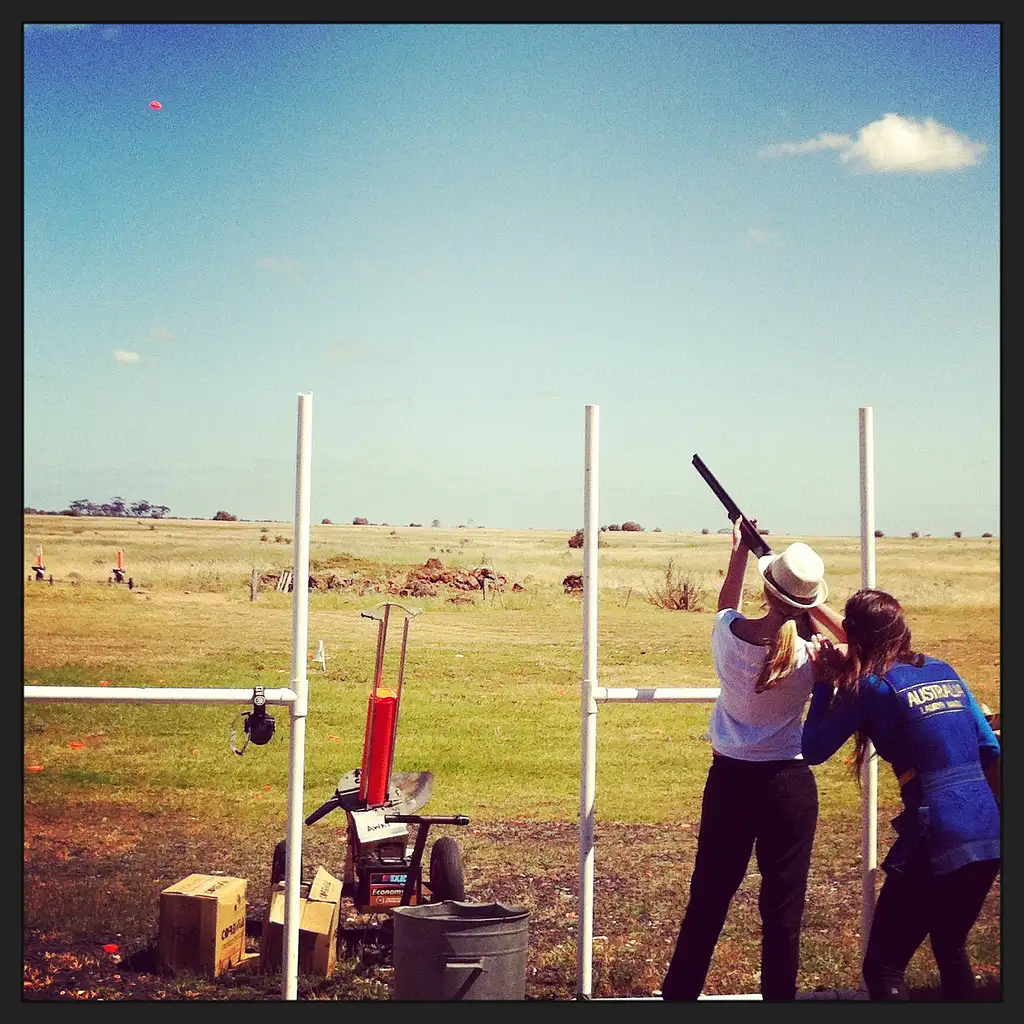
(678, 591)
(914, 534)
(360, 521)
(630, 527)
(878, 533)
(576, 540)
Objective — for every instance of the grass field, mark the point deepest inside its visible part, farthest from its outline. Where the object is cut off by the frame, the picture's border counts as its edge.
(121, 800)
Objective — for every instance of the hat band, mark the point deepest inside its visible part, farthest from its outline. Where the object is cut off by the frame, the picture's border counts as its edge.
(770, 577)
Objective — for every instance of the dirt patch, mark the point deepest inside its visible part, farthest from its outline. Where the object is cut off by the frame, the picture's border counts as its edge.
(432, 579)
(92, 878)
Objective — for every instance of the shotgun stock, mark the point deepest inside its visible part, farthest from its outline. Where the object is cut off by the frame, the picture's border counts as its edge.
(757, 544)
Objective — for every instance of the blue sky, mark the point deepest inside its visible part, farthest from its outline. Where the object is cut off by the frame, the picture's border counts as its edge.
(730, 238)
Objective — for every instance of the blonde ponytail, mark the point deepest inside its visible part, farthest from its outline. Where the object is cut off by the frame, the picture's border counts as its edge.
(782, 657)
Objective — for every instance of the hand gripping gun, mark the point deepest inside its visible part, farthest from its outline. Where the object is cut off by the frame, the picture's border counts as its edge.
(757, 544)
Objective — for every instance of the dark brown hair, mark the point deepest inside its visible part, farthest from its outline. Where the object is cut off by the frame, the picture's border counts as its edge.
(878, 637)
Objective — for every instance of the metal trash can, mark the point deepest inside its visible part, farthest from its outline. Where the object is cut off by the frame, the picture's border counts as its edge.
(460, 950)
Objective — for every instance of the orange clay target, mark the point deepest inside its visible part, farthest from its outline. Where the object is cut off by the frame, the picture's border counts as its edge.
(155, 105)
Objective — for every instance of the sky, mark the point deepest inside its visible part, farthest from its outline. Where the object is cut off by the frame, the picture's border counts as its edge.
(729, 239)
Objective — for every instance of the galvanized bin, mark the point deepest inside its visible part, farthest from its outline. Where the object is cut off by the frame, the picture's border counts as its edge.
(460, 950)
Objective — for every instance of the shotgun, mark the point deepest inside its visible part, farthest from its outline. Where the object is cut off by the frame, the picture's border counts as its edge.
(757, 544)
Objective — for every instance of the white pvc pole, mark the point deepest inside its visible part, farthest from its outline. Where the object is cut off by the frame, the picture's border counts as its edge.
(588, 775)
(297, 746)
(869, 772)
(295, 698)
(592, 694)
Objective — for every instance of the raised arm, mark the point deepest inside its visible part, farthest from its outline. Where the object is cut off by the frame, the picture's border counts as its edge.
(731, 594)
(830, 619)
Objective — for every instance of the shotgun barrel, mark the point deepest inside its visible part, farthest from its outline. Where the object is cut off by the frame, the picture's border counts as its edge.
(757, 544)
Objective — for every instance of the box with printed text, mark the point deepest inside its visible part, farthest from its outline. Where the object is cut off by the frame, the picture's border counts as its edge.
(202, 923)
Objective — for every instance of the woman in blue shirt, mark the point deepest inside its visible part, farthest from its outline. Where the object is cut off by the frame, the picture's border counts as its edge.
(922, 719)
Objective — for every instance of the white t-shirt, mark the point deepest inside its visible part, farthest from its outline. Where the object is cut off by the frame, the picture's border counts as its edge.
(753, 726)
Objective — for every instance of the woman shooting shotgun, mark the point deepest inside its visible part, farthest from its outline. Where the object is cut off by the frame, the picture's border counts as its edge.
(760, 795)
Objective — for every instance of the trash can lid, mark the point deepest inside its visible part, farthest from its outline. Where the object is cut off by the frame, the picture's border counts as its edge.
(464, 910)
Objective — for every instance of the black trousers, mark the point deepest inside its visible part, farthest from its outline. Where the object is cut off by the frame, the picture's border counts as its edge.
(915, 904)
(769, 808)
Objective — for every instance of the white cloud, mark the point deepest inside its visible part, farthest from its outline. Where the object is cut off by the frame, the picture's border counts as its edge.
(161, 334)
(895, 143)
(283, 265)
(899, 143)
(126, 357)
(823, 140)
(346, 351)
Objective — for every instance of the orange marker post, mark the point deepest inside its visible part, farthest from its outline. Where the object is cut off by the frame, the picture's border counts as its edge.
(380, 749)
(120, 560)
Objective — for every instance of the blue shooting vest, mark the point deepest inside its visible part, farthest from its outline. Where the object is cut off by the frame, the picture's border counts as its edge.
(950, 815)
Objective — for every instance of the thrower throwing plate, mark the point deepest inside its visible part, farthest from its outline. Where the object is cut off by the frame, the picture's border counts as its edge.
(407, 791)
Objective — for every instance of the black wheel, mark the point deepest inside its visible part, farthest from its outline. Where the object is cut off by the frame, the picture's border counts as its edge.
(279, 865)
(447, 881)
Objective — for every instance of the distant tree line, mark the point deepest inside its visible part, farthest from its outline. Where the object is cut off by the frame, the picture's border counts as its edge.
(116, 507)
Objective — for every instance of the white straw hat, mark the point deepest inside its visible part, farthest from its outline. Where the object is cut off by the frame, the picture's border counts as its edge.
(796, 577)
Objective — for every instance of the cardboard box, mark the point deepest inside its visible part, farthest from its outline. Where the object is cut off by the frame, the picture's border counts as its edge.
(202, 923)
(319, 913)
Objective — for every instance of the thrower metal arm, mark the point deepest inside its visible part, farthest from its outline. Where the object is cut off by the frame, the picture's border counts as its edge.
(409, 612)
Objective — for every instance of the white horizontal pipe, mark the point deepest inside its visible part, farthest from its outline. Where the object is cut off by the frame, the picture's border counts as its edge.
(157, 695)
(685, 694)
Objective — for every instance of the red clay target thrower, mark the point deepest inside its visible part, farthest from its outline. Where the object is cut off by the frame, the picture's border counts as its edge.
(381, 869)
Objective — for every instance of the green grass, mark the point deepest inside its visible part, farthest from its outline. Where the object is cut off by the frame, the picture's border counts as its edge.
(490, 705)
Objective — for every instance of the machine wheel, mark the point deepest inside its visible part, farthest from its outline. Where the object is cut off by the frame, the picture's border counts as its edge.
(447, 881)
(279, 865)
